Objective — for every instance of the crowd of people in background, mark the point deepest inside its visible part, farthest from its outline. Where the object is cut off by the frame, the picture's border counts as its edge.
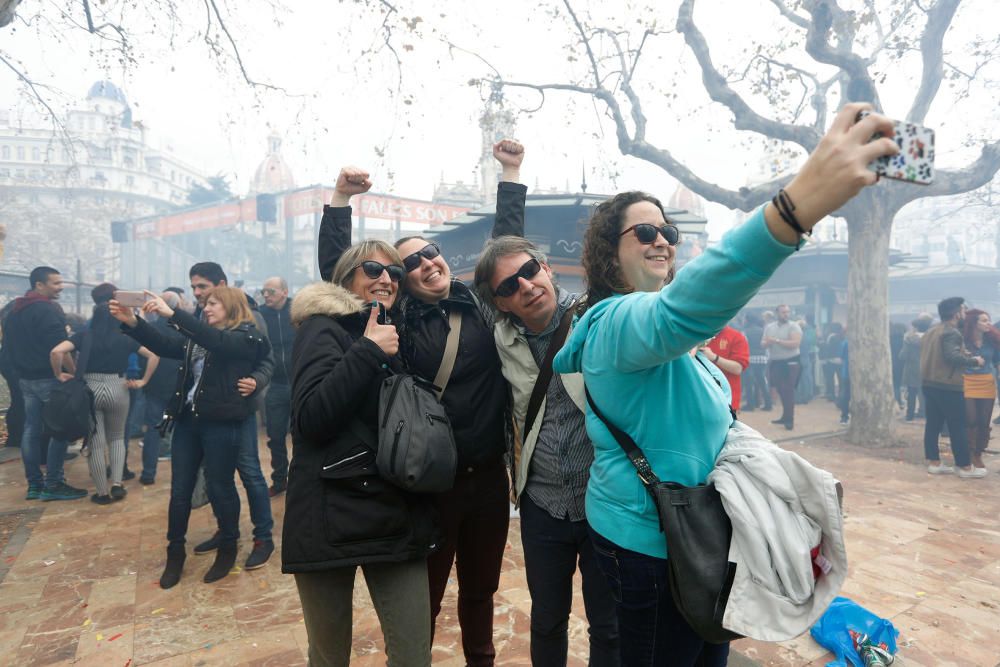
(660, 351)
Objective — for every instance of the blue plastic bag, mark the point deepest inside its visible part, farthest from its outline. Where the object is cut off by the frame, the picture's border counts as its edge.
(832, 631)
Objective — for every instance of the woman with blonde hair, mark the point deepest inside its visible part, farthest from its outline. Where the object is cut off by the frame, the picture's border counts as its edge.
(209, 411)
(339, 514)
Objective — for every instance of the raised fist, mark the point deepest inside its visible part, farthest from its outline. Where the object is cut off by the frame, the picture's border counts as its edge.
(509, 153)
(353, 181)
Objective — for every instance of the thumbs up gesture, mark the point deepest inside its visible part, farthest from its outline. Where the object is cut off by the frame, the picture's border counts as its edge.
(383, 335)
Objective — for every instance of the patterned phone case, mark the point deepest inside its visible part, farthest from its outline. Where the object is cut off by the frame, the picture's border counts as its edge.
(915, 160)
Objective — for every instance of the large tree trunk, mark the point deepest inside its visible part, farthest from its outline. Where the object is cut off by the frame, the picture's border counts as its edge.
(872, 403)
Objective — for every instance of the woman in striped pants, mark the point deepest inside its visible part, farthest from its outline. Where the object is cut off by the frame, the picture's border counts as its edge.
(104, 371)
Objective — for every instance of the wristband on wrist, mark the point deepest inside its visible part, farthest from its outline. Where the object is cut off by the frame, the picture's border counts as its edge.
(786, 209)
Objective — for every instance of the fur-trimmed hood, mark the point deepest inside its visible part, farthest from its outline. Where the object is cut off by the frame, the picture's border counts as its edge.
(324, 298)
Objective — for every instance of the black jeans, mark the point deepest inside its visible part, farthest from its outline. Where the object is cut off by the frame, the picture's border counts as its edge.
(474, 517)
(278, 410)
(653, 632)
(552, 548)
(783, 375)
(944, 406)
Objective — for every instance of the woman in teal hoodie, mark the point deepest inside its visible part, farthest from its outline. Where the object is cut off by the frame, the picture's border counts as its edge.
(633, 345)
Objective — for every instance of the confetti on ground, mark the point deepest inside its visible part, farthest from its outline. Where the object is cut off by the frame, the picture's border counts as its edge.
(100, 637)
(157, 611)
(86, 623)
(118, 636)
(235, 569)
(48, 562)
(921, 594)
(10, 559)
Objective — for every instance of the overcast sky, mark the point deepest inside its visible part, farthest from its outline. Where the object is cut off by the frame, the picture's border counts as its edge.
(340, 110)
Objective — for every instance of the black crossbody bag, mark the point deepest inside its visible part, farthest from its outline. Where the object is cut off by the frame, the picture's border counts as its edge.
(698, 532)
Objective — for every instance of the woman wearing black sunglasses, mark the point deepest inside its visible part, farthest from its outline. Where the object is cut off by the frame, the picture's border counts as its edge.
(339, 513)
(475, 514)
(632, 345)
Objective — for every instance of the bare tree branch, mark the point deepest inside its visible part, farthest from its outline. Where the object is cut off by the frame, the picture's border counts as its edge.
(638, 117)
(744, 199)
(826, 15)
(897, 21)
(586, 42)
(976, 175)
(236, 51)
(800, 21)
(745, 118)
(8, 9)
(53, 116)
(931, 47)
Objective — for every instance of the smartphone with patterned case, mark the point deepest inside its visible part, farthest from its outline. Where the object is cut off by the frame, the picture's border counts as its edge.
(915, 161)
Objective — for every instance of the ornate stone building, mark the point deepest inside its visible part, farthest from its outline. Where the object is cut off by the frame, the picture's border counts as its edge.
(63, 181)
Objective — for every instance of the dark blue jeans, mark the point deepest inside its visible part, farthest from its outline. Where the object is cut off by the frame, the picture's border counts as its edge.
(552, 548)
(36, 447)
(278, 409)
(248, 465)
(652, 632)
(153, 415)
(218, 445)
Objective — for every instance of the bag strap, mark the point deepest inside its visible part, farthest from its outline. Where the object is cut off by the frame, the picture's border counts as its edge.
(632, 451)
(545, 371)
(716, 380)
(450, 351)
(84, 358)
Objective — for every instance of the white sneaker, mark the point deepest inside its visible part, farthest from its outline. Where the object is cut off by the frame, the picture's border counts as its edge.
(940, 469)
(974, 473)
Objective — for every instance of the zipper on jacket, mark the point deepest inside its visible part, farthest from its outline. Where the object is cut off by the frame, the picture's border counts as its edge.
(389, 403)
(341, 461)
(281, 343)
(434, 418)
(395, 446)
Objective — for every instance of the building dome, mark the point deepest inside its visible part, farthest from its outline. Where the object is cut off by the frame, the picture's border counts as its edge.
(108, 91)
(686, 200)
(273, 174)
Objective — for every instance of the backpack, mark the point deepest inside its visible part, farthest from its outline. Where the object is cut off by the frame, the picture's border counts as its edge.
(69, 413)
(415, 448)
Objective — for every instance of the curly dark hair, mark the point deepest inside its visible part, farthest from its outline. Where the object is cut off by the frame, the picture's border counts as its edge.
(969, 330)
(600, 246)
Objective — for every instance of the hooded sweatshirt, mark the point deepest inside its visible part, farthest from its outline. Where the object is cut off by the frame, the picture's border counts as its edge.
(633, 352)
(35, 326)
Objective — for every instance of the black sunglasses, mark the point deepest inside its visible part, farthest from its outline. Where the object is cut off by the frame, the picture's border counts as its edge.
(646, 233)
(509, 285)
(430, 251)
(374, 269)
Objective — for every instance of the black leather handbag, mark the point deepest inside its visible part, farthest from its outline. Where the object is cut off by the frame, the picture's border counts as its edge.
(698, 532)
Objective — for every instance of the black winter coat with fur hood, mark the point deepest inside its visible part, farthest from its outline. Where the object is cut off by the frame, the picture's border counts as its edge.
(338, 511)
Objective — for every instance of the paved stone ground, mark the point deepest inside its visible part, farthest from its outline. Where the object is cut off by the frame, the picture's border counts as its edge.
(78, 582)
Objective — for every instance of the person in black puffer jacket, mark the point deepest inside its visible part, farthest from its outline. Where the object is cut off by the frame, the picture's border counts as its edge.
(475, 513)
(339, 514)
(210, 412)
